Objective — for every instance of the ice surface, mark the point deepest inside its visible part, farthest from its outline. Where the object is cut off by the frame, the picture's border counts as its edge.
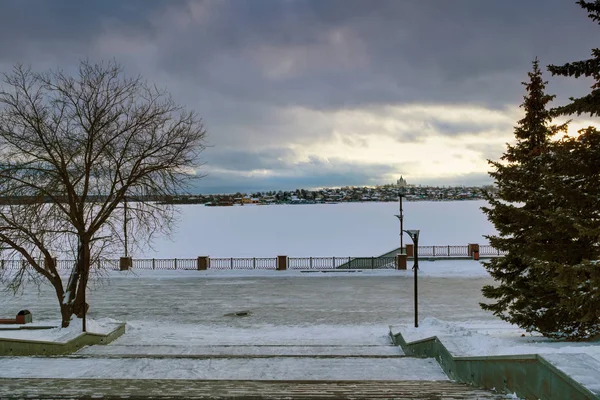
(318, 230)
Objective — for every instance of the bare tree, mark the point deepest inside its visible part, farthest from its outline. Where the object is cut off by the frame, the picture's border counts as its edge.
(73, 151)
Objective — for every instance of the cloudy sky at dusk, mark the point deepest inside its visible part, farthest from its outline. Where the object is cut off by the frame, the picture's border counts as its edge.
(313, 93)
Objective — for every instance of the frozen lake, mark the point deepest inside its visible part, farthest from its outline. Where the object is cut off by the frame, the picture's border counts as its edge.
(318, 230)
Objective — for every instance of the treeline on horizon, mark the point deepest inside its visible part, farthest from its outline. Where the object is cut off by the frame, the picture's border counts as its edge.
(343, 194)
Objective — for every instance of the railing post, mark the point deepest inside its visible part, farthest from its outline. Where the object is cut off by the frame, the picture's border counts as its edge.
(175, 263)
(253, 262)
(202, 263)
(153, 263)
(433, 247)
(472, 247)
(448, 250)
(125, 263)
(372, 262)
(310, 263)
(333, 262)
(231, 262)
(400, 261)
(282, 263)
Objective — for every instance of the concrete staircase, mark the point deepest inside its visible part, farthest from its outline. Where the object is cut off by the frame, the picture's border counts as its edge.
(202, 372)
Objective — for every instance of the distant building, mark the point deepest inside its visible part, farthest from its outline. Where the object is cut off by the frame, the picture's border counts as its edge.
(401, 183)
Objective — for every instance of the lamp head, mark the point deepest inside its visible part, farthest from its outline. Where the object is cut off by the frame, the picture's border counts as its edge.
(413, 233)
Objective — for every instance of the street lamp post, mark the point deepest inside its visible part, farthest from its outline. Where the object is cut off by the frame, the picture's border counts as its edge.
(400, 217)
(414, 235)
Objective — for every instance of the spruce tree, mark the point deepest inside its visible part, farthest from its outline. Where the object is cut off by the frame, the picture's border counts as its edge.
(521, 212)
(589, 104)
(548, 214)
(574, 179)
(575, 182)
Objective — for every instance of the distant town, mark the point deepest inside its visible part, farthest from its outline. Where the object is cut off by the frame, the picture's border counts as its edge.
(383, 193)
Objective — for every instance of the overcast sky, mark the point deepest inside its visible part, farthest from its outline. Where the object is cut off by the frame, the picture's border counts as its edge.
(306, 94)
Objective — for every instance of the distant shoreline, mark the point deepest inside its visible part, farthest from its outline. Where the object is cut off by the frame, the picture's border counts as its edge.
(323, 202)
(333, 196)
(299, 196)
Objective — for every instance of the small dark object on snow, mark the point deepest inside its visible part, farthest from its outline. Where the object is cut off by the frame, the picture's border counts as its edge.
(244, 313)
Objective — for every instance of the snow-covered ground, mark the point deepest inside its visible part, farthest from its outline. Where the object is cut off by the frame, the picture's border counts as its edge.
(276, 298)
(188, 311)
(318, 230)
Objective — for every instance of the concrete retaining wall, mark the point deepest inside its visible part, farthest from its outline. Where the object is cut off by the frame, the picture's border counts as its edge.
(530, 376)
(19, 347)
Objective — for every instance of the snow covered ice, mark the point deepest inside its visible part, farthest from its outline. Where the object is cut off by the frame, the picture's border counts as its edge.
(318, 230)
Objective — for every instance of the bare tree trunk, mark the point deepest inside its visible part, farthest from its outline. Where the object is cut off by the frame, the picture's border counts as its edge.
(72, 283)
(125, 223)
(66, 311)
(83, 267)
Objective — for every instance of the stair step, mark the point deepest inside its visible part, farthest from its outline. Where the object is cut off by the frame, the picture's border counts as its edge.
(222, 389)
(126, 351)
(242, 368)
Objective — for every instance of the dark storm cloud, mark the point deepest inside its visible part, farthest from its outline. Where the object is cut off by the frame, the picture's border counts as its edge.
(350, 53)
(244, 64)
(342, 53)
(66, 25)
(314, 173)
(459, 128)
(240, 160)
